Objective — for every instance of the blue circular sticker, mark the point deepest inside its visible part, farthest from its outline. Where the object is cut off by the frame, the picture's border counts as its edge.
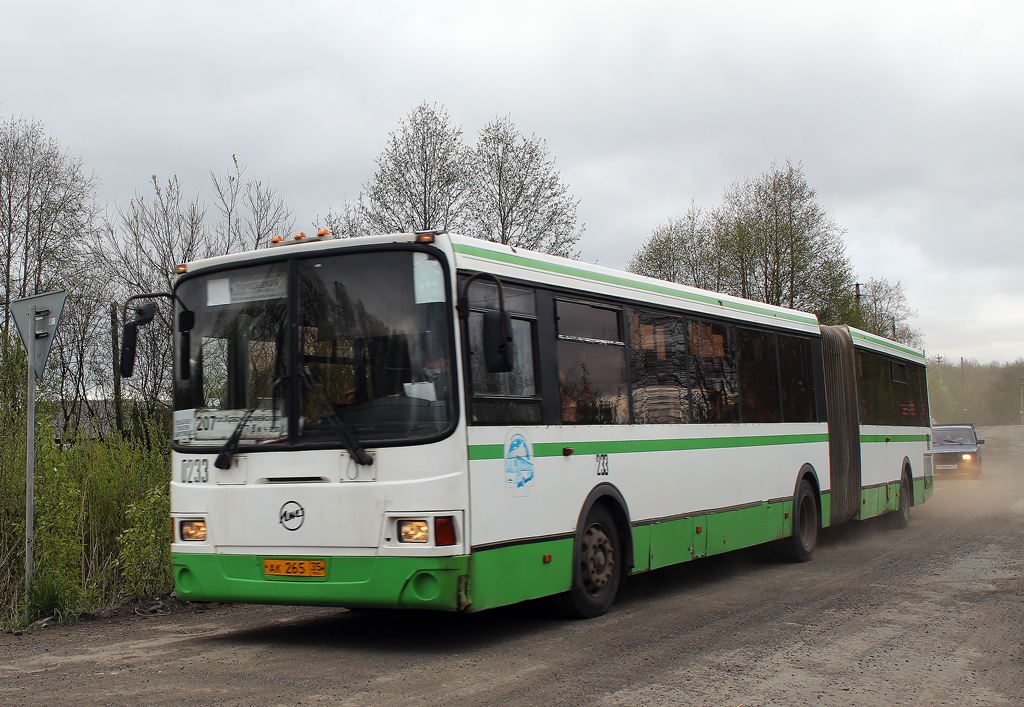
(518, 463)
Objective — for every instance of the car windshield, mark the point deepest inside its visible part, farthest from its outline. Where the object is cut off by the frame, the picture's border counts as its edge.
(367, 351)
(953, 435)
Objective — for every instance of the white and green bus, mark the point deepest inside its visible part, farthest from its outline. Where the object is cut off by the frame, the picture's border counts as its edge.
(438, 422)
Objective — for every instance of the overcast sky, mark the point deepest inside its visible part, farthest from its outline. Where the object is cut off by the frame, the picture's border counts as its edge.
(906, 117)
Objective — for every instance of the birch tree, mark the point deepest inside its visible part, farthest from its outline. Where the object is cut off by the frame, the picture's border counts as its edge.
(769, 241)
(47, 216)
(252, 212)
(519, 198)
(423, 177)
(683, 250)
(883, 310)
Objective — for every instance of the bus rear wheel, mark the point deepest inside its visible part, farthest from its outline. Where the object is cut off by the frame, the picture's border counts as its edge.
(597, 565)
(799, 547)
(900, 518)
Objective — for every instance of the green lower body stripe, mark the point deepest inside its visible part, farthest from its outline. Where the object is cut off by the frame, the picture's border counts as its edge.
(404, 582)
(498, 576)
(555, 449)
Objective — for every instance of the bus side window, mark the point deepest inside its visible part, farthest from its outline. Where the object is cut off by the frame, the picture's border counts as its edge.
(591, 364)
(797, 376)
(504, 398)
(918, 417)
(759, 376)
(714, 382)
(657, 364)
(902, 408)
(874, 382)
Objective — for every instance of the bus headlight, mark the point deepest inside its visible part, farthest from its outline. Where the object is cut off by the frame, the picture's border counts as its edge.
(192, 530)
(413, 531)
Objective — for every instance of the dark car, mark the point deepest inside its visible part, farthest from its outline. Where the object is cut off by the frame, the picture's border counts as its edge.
(956, 448)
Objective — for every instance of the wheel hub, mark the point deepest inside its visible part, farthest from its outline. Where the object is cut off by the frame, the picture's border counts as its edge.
(597, 563)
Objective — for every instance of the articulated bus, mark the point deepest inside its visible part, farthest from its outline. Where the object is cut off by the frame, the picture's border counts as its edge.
(434, 421)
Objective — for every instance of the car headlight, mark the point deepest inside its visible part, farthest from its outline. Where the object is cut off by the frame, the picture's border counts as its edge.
(967, 457)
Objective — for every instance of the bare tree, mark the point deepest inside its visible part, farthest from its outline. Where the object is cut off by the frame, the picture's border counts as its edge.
(422, 178)
(139, 251)
(47, 216)
(46, 209)
(349, 222)
(252, 213)
(883, 310)
(519, 198)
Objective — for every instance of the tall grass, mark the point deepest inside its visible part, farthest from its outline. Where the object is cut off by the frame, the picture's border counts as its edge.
(102, 532)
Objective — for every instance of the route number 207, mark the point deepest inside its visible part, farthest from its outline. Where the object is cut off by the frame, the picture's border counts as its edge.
(195, 471)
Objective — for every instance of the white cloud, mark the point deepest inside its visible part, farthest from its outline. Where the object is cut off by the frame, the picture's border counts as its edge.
(905, 116)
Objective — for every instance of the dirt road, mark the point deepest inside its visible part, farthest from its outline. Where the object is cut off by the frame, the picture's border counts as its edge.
(932, 615)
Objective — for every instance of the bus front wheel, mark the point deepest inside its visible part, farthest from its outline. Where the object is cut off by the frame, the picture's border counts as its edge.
(799, 547)
(597, 565)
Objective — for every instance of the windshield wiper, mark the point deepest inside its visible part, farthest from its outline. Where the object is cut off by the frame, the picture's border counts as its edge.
(231, 446)
(351, 442)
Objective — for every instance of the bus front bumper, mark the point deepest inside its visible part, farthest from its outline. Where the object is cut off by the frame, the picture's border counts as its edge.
(438, 583)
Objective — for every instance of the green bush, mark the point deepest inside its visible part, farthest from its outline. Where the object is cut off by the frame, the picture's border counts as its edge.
(145, 558)
(48, 597)
(102, 533)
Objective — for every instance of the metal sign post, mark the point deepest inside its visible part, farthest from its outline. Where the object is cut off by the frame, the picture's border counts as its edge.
(30, 460)
(36, 320)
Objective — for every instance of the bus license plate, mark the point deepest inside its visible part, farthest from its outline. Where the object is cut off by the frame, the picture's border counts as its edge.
(294, 568)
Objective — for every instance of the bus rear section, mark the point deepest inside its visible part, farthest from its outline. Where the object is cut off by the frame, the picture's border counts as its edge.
(879, 441)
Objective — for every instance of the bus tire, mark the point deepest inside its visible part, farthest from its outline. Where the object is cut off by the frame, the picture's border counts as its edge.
(900, 518)
(799, 547)
(597, 565)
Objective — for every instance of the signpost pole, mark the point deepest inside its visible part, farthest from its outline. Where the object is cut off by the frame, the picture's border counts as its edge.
(36, 319)
(30, 458)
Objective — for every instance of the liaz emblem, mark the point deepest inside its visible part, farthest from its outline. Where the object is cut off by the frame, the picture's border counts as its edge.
(292, 515)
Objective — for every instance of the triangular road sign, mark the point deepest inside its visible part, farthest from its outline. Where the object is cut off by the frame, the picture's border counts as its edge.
(38, 330)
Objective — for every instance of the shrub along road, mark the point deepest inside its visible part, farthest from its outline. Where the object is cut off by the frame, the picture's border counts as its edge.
(930, 615)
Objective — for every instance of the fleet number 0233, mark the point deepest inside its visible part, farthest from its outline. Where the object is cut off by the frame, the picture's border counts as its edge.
(195, 471)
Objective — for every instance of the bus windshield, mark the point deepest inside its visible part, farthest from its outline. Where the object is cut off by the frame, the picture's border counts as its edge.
(366, 348)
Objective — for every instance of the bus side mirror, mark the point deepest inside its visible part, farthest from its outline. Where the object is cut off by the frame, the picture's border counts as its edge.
(186, 322)
(143, 315)
(498, 345)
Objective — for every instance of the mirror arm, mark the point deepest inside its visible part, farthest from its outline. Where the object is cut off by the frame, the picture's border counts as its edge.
(148, 295)
(463, 305)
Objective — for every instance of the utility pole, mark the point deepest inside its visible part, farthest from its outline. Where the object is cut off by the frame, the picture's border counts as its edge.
(1021, 381)
(962, 401)
(118, 414)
